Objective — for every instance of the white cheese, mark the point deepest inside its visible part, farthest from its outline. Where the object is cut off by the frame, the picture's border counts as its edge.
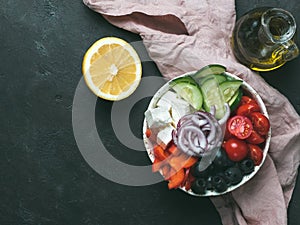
(164, 103)
(164, 136)
(177, 106)
(158, 117)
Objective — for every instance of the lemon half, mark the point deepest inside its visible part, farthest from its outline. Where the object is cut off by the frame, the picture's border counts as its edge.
(112, 68)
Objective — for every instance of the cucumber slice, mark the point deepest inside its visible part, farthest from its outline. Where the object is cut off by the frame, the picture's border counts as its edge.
(209, 70)
(186, 79)
(229, 88)
(220, 78)
(189, 90)
(235, 100)
(213, 96)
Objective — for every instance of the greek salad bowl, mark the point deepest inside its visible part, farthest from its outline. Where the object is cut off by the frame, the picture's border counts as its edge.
(206, 132)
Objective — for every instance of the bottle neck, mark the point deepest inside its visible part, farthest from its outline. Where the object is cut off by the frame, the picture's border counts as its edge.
(277, 26)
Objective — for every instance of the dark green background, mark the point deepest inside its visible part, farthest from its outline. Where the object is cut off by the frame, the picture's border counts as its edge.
(43, 177)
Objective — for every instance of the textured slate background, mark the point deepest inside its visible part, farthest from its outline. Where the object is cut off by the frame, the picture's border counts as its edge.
(43, 177)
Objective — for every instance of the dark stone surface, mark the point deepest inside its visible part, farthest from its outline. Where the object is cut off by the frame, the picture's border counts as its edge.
(43, 177)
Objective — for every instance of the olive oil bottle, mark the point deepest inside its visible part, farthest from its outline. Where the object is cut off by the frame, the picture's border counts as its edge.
(263, 39)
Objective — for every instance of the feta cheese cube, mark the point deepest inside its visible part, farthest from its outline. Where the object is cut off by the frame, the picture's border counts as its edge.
(177, 106)
(164, 103)
(179, 110)
(164, 136)
(158, 117)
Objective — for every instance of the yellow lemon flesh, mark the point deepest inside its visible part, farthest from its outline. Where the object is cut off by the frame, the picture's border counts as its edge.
(112, 68)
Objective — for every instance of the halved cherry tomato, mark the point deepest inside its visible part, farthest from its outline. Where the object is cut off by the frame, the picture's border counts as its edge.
(245, 100)
(227, 134)
(240, 126)
(261, 123)
(255, 153)
(255, 138)
(246, 109)
(236, 149)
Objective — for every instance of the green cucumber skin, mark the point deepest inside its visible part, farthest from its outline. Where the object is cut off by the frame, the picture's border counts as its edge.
(236, 99)
(185, 79)
(180, 86)
(209, 70)
(200, 93)
(229, 88)
(220, 78)
(212, 96)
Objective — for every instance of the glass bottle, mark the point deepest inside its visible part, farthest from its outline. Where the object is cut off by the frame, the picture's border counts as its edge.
(263, 39)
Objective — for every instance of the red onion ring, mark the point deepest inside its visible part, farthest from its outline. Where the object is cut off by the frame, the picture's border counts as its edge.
(198, 134)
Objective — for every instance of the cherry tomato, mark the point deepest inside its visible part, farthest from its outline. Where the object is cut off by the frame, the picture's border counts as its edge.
(260, 123)
(227, 134)
(255, 153)
(255, 138)
(245, 100)
(236, 149)
(240, 126)
(246, 109)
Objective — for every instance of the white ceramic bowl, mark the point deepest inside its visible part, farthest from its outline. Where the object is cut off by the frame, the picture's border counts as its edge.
(247, 89)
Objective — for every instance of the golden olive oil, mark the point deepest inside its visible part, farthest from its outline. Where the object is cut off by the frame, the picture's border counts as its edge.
(263, 39)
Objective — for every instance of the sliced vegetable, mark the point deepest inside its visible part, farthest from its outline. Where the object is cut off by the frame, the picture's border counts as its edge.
(157, 165)
(188, 181)
(160, 153)
(198, 134)
(176, 179)
(234, 102)
(189, 90)
(220, 78)
(172, 148)
(224, 119)
(148, 132)
(209, 70)
(230, 88)
(240, 126)
(213, 97)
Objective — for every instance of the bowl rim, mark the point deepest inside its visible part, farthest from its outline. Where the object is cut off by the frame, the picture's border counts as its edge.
(251, 91)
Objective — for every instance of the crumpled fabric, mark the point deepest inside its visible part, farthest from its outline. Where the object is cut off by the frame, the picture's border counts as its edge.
(182, 36)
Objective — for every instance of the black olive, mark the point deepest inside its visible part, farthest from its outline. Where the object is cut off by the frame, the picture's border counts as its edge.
(219, 183)
(199, 186)
(197, 172)
(234, 175)
(221, 160)
(246, 166)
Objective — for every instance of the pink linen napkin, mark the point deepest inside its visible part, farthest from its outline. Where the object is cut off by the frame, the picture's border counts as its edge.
(182, 36)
